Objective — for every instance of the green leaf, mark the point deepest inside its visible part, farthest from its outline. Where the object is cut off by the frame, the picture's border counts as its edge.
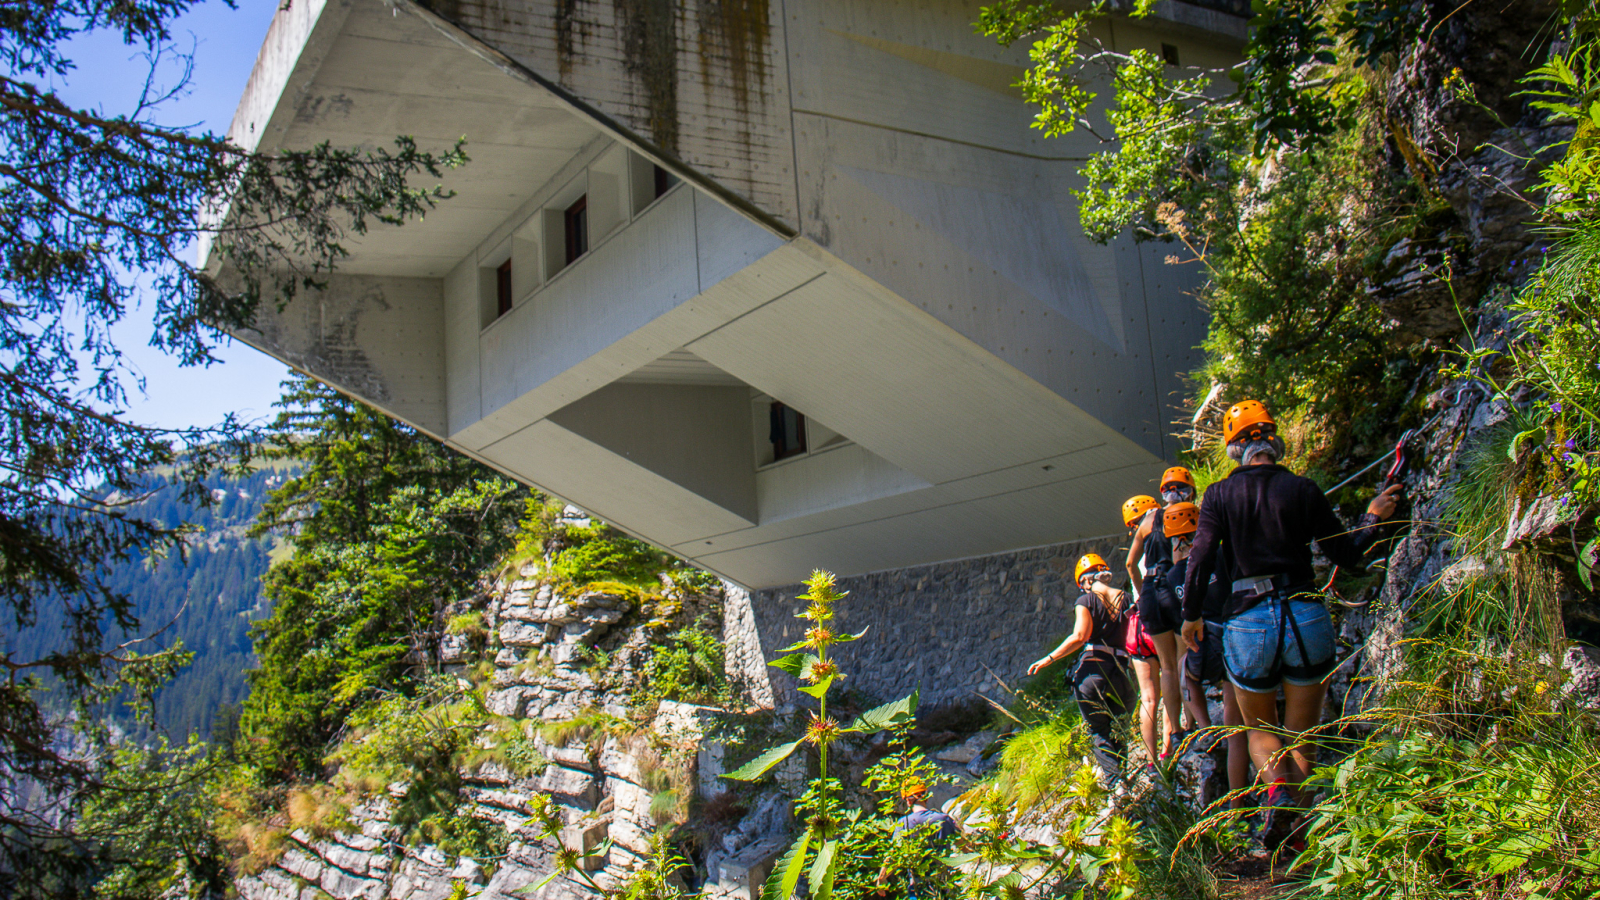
(534, 888)
(759, 766)
(817, 690)
(847, 638)
(1516, 850)
(795, 664)
(786, 873)
(1586, 563)
(887, 715)
(821, 875)
(1532, 434)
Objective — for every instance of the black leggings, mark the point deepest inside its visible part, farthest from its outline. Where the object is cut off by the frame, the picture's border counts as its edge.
(1101, 686)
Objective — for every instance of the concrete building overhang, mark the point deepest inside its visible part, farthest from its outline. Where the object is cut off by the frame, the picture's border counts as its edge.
(972, 380)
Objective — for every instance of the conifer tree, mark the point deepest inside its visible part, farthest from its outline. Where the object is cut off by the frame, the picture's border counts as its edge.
(103, 216)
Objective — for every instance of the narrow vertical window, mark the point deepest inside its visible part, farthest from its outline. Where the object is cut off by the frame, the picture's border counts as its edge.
(502, 288)
(577, 218)
(663, 180)
(787, 431)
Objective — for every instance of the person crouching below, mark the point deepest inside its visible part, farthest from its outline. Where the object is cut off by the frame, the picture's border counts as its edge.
(1099, 681)
(1257, 525)
(1205, 667)
(1160, 613)
(931, 827)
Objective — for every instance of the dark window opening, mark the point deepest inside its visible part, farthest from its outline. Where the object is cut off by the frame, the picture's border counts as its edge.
(1170, 54)
(502, 288)
(577, 217)
(787, 431)
(664, 180)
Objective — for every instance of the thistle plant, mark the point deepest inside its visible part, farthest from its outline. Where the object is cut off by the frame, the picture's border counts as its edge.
(809, 661)
(568, 861)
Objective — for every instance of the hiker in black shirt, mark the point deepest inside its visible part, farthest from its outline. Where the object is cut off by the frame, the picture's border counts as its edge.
(1257, 526)
(1099, 681)
(1160, 613)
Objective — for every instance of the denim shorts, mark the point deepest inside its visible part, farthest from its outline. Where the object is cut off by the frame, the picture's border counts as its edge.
(1269, 644)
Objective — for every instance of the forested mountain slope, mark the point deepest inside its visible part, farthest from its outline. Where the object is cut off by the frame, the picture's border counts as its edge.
(206, 597)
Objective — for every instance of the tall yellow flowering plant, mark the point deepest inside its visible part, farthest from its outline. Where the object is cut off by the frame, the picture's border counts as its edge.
(808, 660)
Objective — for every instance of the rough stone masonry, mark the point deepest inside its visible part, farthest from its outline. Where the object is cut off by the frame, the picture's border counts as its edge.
(953, 629)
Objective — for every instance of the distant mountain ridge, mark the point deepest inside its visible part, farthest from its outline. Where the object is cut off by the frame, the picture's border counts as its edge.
(208, 597)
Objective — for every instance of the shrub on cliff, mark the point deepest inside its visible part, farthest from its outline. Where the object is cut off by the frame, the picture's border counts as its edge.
(389, 529)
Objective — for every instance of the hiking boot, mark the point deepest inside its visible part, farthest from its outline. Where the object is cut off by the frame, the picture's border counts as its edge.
(1281, 816)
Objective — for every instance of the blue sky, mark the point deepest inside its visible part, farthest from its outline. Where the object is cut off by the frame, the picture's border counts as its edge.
(109, 76)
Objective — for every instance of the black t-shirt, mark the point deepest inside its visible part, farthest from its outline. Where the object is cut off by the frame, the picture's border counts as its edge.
(1158, 551)
(1214, 608)
(1260, 521)
(1108, 630)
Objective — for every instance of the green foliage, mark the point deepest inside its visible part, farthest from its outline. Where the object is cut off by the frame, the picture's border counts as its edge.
(597, 552)
(1278, 189)
(686, 666)
(153, 819)
(655, 879)
(825, 819)
(391, 529)
(1420, 817)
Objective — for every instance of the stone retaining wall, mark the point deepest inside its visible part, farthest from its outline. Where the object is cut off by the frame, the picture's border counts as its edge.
(954, 629)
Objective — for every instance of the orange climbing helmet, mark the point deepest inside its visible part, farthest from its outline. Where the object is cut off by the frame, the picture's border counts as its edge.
(1177, 475)
(1135, 508)
(1246, 419)
(1089, 562)
(1180, 519)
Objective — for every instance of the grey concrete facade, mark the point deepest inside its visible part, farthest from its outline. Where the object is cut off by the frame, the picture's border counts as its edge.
(833, 204)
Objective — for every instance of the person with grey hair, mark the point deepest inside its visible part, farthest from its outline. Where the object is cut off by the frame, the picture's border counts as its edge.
(1257, 525)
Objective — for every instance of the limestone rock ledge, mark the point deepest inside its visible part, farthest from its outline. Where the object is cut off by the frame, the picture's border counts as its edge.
(543, 647)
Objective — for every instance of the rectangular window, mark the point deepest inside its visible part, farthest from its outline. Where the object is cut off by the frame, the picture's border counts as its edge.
(577, 219)
(787, 431)
(502, 288)
(664, 180)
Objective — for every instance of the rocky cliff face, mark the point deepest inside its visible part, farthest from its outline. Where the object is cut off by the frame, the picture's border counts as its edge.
(614, 778)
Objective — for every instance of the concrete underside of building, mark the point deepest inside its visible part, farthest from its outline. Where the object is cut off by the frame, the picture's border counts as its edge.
(677, 215)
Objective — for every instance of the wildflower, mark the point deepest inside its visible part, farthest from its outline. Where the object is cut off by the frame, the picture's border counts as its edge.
(821, 671)
(1556, 406)
(1571, 444)
(819, 637)
(822, 732)
(1541, 687)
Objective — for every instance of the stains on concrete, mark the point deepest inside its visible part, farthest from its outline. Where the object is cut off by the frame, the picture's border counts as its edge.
(734, 39)
(449, 9)
(650, 55)
(734, 35)
(572, 32)
(318, 333)
(319, 109)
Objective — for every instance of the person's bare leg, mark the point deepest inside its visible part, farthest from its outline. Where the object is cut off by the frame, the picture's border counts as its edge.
(1302, 711)
(1194, 700)
(1238, 745)
(1167, 655)
(1149, 696)
(1190, 693)
(1259, 711)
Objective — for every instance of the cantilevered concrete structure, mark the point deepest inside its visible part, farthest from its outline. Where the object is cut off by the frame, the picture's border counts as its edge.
(679, 214)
